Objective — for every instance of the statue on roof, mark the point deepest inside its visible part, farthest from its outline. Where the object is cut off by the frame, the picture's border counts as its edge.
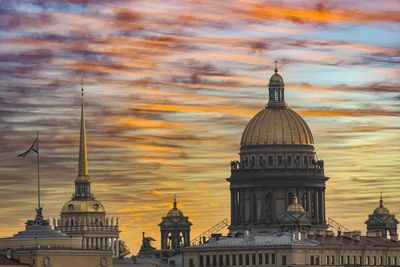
(147, 250)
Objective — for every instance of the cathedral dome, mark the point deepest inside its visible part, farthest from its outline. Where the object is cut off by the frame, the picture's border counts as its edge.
(83, 206)
(277, 126)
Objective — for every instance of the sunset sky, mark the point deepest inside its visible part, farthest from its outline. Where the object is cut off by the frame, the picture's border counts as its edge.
(169, 88)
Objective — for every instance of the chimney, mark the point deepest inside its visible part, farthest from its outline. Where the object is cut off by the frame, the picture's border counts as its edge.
(9, 253)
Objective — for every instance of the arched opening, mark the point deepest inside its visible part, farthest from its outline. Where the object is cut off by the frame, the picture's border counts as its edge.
(268, 208)
(254, 208)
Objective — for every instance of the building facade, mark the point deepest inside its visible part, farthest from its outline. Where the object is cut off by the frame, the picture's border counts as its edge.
(83, 215)
(284, 249)
(39, 245)
(277, 163)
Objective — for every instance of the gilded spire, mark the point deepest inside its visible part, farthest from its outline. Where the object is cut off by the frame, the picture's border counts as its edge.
(82, 168)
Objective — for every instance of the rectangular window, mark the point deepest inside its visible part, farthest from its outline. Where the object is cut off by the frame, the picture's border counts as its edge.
(273, 258)
(279, 160)
(270, 161)
(347, 259)
(360, 260)
(380, 260)
(289, 160)
(283, 260)
(247, 259)
(253, 161)
(388, 260)
(312, 260)
(374, 260)
(260, 256)
(191, 263)
(332, 259)
(221, 260)
(394, 261)
(201, 260)
(316, 260)
(261, 163)
(240, 259)
(234, 259)
(253, 259)
(341, 260)
(327, 260)
(297, 160)
(305, 161)
(214, 260)
(208, 260)
(367, 261)
(227, 263)
(266, 258)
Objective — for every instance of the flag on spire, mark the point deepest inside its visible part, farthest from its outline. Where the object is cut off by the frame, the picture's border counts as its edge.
(34, 147)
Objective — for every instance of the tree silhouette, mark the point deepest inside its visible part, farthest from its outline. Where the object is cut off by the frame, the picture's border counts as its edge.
(123, 249)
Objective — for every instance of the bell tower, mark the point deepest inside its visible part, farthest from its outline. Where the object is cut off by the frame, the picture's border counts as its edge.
(175, 229)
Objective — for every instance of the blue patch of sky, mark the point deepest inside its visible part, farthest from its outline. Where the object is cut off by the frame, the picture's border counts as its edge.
(329, 75)
(385, 34)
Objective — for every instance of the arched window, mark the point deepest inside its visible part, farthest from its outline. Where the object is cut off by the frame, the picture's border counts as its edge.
(268, 207)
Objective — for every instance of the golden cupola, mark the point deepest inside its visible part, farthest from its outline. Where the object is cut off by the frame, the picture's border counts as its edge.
(381, 210)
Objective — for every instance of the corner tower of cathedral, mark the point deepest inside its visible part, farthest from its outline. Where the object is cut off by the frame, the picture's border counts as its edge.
(83, 215)
(278, 164)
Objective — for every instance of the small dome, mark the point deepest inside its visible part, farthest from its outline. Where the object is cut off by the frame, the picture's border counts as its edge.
(277, 126)
(79, 206)
(381, 210)
(295, 207)
(175, 212)
(276, 80)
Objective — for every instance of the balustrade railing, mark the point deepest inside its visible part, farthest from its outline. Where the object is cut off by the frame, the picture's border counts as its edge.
(238, 170)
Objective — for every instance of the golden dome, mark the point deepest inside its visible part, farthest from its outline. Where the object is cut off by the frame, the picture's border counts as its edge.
(295, 207)
(79, 206)
(277, 126)
(175, 212)
(381, 210)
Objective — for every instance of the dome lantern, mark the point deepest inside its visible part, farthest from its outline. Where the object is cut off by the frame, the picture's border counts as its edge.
(276, 89)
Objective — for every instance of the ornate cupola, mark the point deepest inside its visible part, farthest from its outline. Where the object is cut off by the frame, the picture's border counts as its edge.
(295, 219)
(382, 222)
(175, 229)
(277, 162)
(276, 89)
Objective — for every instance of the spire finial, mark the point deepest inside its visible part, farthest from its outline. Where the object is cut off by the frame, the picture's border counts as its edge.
(82, 167)
(276, 66)
(381, 201)
(175, 201)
